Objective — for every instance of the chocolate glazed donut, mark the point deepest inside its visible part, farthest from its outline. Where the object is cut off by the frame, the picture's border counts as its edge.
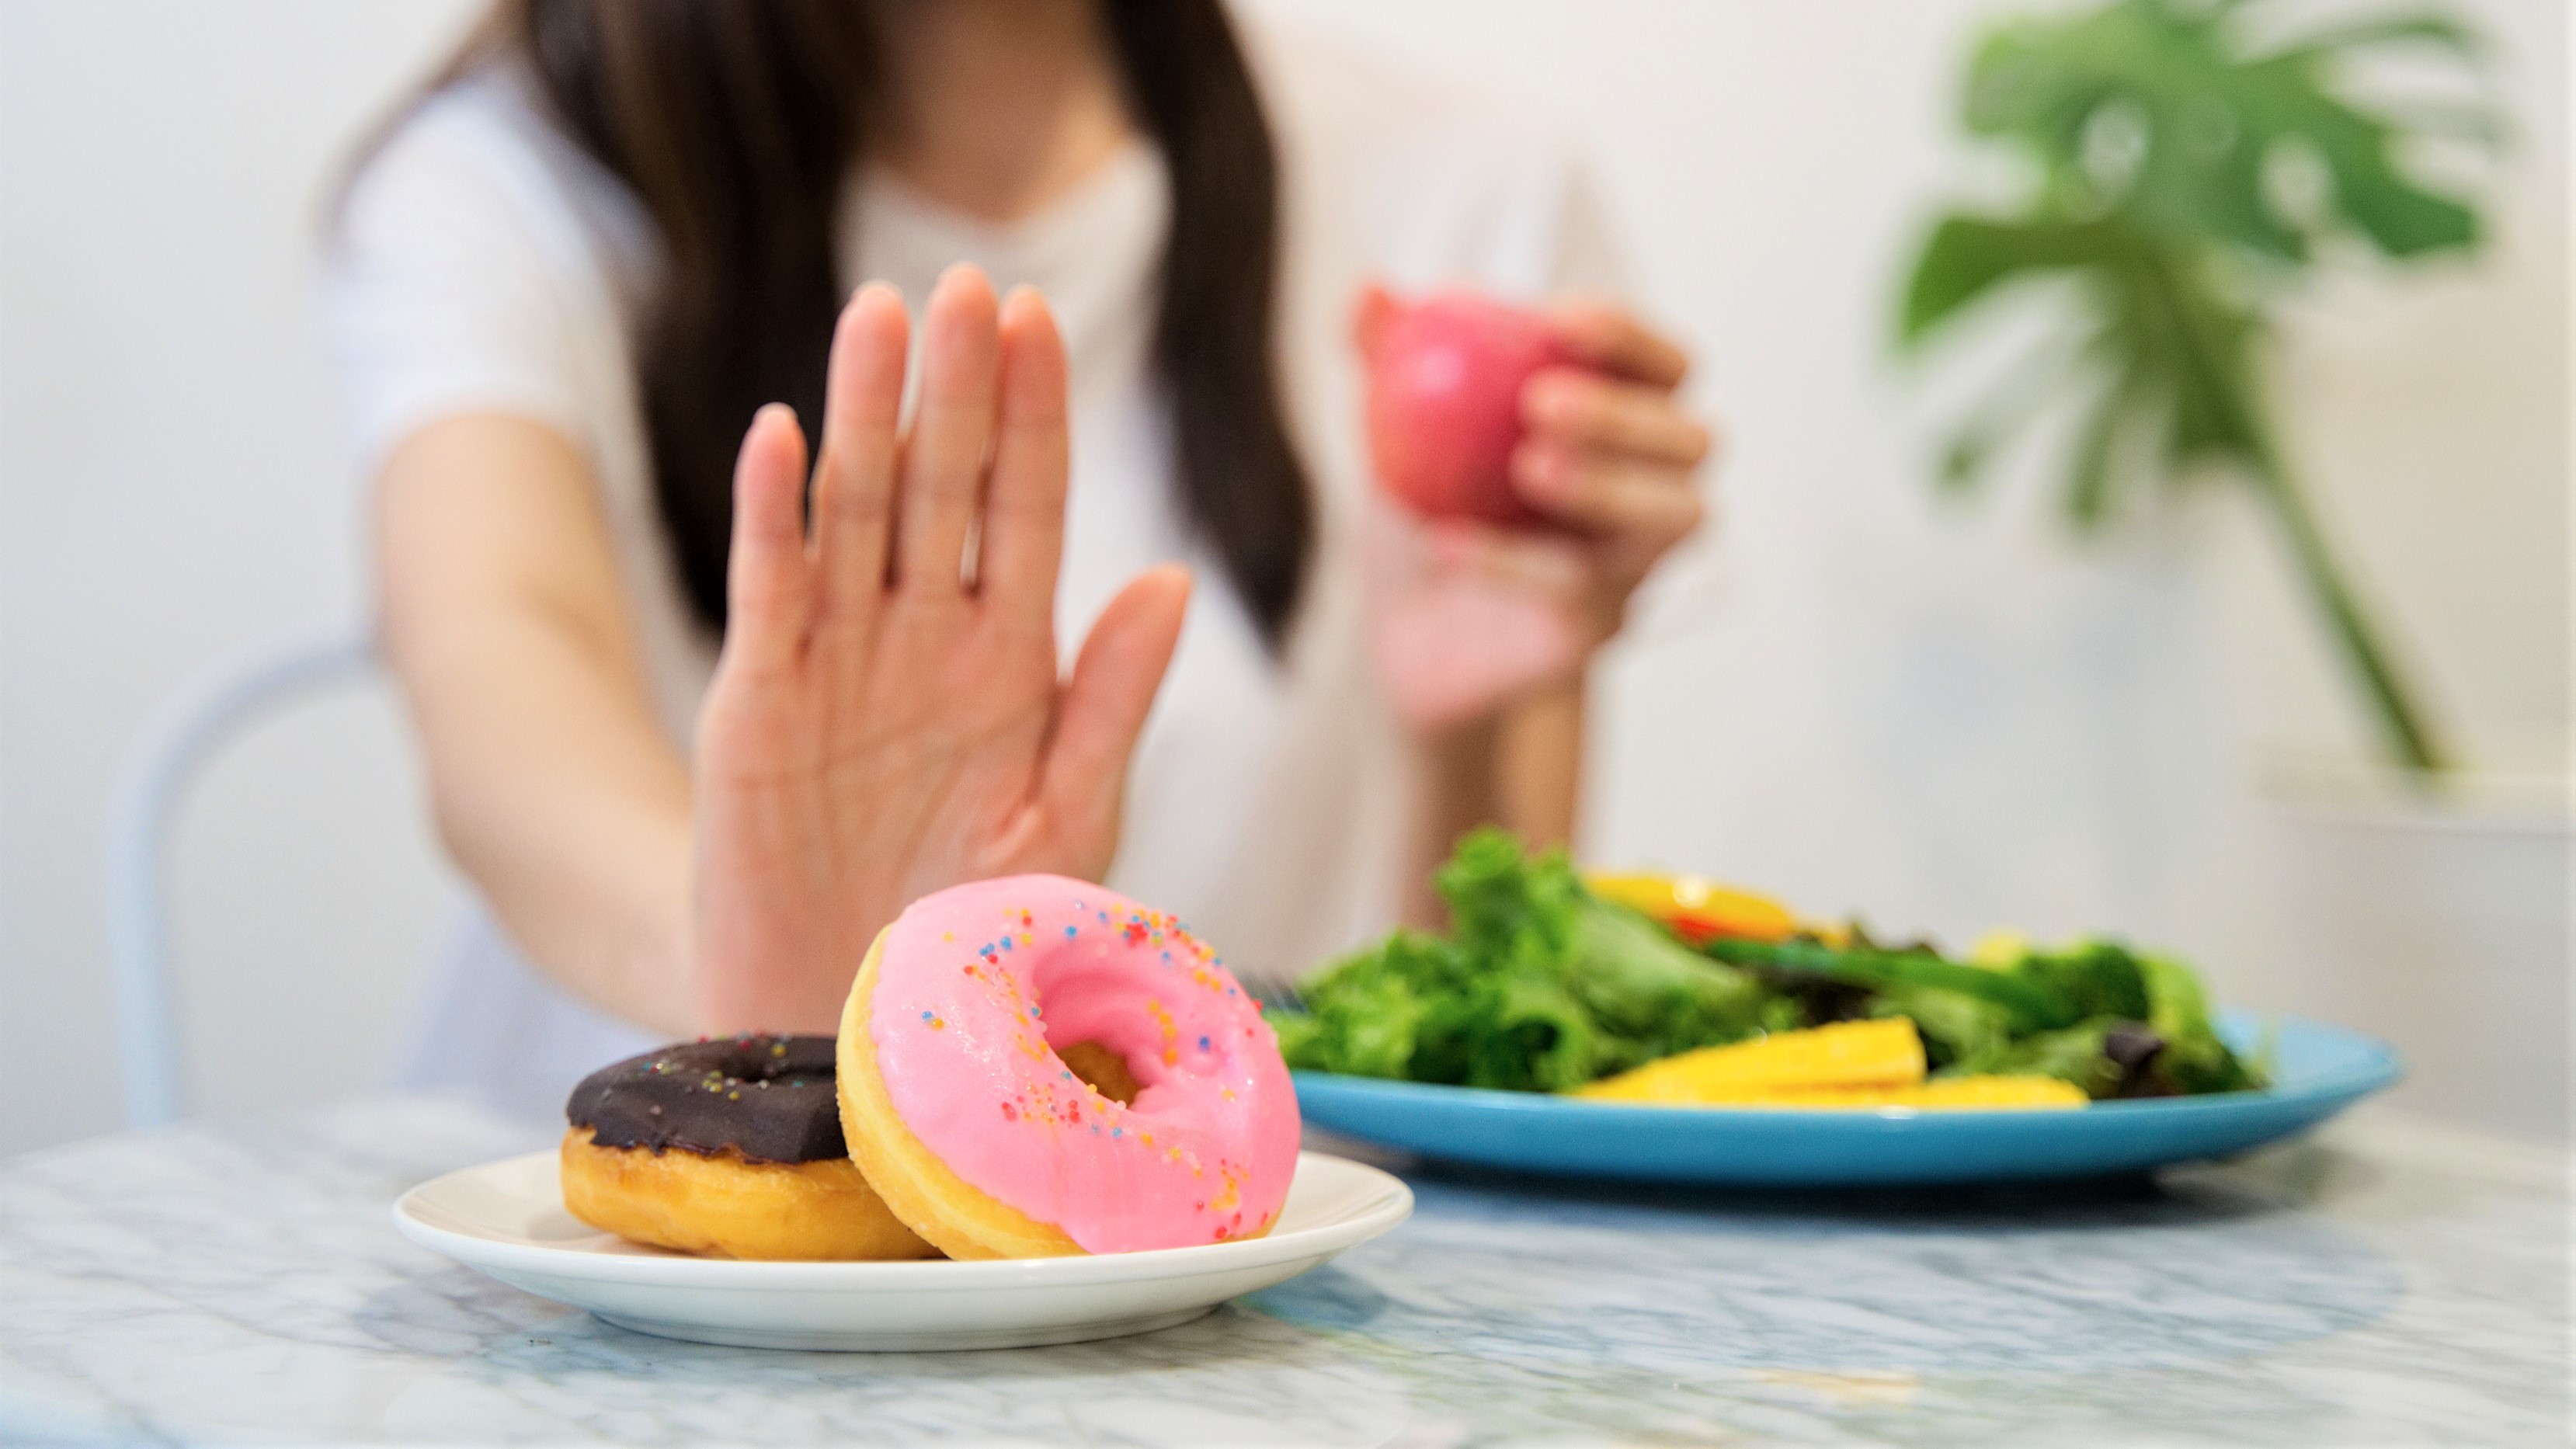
(769, 1098)
(728, 1146)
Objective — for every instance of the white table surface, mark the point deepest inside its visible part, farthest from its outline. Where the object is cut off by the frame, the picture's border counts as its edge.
(2382, 1284)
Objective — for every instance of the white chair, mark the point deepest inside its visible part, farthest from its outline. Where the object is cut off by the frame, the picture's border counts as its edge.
(202, 719)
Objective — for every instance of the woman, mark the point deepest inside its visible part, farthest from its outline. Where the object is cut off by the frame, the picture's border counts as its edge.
(615, 229)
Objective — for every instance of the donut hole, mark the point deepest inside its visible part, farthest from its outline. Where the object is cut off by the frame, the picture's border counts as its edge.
(1102, 1024)
(1104, 1067)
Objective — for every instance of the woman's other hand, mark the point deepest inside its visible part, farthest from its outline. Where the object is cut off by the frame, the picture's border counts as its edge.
(1474, 617)
(887, 717)
(1612, 455)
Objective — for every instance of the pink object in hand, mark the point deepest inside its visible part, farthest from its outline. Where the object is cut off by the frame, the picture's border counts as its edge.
(1444, 400)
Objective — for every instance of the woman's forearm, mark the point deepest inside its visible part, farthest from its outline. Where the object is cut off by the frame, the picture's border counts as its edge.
(1521, 770)
(574, 829)
(1538, 766)
(1453, 793)
(554, 790)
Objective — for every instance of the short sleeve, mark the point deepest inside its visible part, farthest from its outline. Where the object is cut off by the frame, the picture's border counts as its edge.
(458, 280)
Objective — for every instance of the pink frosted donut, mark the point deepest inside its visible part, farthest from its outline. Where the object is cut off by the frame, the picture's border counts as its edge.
(972, 1127)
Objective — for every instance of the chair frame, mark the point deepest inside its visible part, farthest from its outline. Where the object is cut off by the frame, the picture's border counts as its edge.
(220, 706)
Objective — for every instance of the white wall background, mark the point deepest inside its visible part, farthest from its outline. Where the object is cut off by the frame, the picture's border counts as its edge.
(1855, 696)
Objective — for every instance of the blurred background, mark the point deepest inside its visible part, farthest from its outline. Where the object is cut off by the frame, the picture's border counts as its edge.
(1858, 694)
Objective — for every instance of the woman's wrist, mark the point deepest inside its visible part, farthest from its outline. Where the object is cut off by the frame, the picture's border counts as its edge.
(665, 948)
(1517, 765)
(1451, 769)
(1538, 764)
(745, 973)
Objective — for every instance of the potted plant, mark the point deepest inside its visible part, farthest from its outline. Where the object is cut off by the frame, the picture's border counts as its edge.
(2188, 169)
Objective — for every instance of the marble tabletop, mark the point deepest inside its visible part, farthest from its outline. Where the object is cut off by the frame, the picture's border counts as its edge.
(2383, 1283)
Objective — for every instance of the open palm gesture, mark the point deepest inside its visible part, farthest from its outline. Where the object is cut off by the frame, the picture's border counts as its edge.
(887, 718)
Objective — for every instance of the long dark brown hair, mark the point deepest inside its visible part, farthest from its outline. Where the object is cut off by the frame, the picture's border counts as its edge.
(737, 123)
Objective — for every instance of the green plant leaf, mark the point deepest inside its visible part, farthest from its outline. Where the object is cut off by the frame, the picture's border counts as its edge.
(2400, 218)
(2088, 489)
(2208, 113)
(1967, 256)
(2158, 134)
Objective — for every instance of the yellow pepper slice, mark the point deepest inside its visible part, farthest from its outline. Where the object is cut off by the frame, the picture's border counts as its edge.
(1846, 1056)
(1695, 909)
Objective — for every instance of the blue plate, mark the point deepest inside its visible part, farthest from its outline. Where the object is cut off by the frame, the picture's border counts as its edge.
(2318, 1071)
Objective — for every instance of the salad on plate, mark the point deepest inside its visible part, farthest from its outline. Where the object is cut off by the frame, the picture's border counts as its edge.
(1669, 991)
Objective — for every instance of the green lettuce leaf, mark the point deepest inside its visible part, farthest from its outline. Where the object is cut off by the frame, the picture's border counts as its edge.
(1540, 987)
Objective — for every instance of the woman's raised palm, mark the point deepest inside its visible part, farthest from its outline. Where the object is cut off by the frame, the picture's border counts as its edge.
(887, 718)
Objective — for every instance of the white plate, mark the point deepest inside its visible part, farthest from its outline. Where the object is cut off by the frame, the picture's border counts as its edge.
(507, 1219)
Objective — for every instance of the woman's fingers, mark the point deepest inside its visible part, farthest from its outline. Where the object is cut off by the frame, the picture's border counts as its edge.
(768, 583)
(952, 434)
(1610, 339)
(1602, 412)
(1023, 538)
(1645, 507)
(854, 487)
(1113, 684)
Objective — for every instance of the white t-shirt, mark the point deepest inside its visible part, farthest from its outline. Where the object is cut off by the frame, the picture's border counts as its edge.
(487, 265)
